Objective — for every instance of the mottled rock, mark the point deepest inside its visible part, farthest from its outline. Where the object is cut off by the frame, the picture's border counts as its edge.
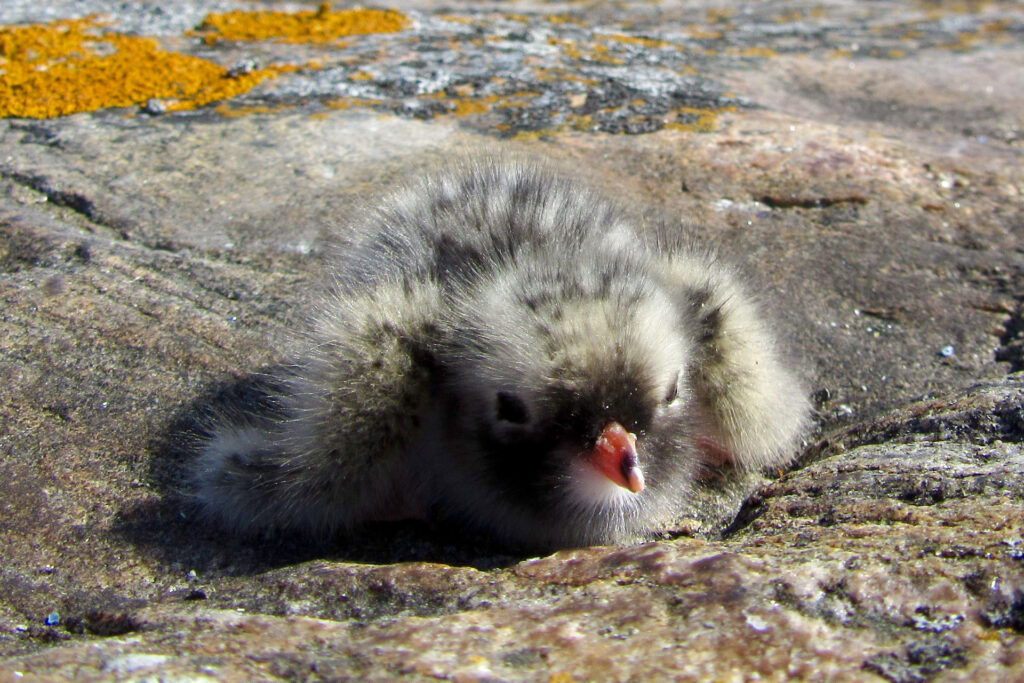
(900, 559)
(863, 161)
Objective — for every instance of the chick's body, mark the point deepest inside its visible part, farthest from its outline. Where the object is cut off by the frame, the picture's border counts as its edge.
(502, 348)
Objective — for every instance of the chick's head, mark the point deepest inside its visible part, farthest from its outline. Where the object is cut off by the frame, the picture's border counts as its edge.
(568, 410)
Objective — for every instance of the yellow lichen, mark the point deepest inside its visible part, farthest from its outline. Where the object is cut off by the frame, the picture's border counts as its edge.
(465, 106)
(574, 51)
(348, 103)
(718, 16)
(528, 135)
(71, 66)
(993, 32)
(706, 119)
(564, 19)
(696, 31)
(788, 16)
(310, 26)
(455, 18)
(579, 122)
(753, 52)
(636, 40)
(569, 47)
(688, 119)
(935, 9)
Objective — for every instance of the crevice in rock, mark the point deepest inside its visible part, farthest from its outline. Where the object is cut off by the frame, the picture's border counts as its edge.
(1011, 342)
(795, 202)
(922, 661)
(75, 201)
(752, 508)
(1005, 613)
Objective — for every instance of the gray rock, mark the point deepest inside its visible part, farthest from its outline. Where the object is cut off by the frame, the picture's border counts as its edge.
(867, 172)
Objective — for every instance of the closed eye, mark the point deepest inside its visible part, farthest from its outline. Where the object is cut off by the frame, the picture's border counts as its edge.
(673, 390)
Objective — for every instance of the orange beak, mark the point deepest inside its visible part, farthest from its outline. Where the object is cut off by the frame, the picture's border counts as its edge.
(614, 454)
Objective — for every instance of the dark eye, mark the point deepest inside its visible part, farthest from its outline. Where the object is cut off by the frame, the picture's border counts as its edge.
(512, 409)
(673, 390)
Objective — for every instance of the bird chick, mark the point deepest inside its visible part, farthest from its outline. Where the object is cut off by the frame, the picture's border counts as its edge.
(501, 348)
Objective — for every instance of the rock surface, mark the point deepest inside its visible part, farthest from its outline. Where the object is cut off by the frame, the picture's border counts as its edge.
(863, 161)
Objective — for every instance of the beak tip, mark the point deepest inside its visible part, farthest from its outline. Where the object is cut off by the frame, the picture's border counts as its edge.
(635, 480)
(614, 455)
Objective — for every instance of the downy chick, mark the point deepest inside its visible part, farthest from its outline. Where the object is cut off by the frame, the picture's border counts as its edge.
(502, 349)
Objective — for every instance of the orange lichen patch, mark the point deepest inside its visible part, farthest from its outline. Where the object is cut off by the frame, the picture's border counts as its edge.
(636, 40)
(939, 8)
(561, 677)
(515, 100)
(994, 31)
(788, 16)
(706, 119)
(689, 119)
(70, 66)
(360, 76)
(600, 54)
(564, 19)
(465, 106)
(527, 135)
(998, 26)
(578, 122)
(718, 16)
(752, 52)
(348, 103)
(546, 75)
(573, 50)
(696, 31)
(310, 26)
(456, 18)
(569, 47)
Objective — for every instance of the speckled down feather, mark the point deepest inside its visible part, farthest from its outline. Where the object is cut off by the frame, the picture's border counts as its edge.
(480, 334)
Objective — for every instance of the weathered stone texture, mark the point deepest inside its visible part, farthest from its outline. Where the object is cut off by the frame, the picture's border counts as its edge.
(861, 160)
